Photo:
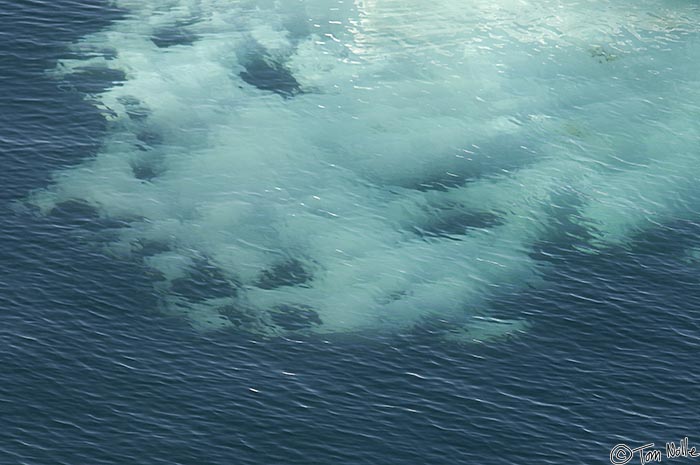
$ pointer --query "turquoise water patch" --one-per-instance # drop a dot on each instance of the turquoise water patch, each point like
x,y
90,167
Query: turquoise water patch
x,y
372,166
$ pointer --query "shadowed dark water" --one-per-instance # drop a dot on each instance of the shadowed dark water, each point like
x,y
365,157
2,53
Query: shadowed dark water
x,y
91,374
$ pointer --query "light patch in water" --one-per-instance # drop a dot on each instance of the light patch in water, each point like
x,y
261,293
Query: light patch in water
x,y
361,166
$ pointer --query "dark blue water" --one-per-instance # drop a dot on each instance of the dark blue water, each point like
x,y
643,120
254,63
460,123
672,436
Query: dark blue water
x,y
90,374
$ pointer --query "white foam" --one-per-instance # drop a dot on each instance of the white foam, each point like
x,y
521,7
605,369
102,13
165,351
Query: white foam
x,y
408,115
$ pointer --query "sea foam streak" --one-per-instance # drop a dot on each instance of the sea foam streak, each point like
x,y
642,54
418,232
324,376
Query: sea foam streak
x,y
322,166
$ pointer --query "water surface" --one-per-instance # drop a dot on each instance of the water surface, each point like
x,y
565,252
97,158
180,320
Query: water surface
x,y
178,180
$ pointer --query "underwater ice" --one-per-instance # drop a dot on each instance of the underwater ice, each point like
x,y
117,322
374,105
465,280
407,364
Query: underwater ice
x,y
342,166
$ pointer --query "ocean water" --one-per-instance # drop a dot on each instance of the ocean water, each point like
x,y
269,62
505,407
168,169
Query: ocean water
x,y
328,232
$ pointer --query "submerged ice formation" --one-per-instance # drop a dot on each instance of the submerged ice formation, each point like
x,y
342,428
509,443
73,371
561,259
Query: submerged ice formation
x,y
345,166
